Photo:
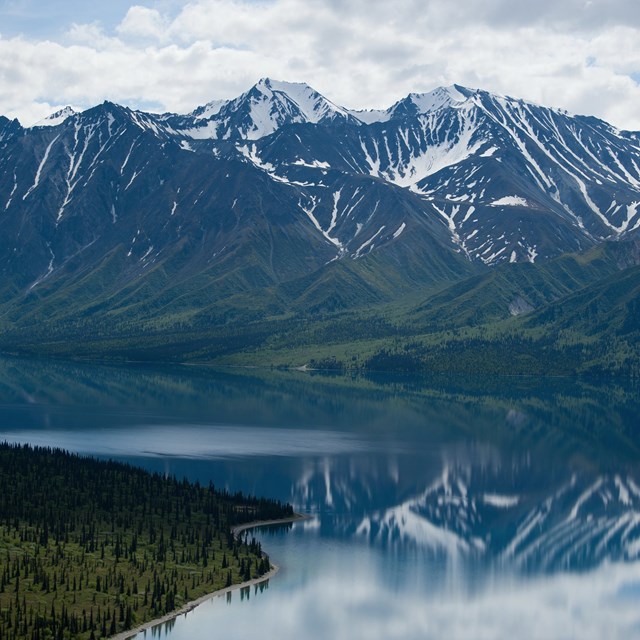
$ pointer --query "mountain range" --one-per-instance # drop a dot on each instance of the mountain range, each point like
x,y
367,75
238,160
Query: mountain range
x,y
278,210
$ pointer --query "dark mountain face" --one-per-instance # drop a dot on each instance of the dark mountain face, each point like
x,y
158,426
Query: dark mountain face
x,y
108,180
109,209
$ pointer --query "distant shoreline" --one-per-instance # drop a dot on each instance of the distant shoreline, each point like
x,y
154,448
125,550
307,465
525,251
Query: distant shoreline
x,y
190,606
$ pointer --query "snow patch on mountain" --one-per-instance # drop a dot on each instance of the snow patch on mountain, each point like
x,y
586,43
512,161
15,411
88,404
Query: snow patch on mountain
x,y
309,209
399,230
510,201
209,110
489,152
316,164
43,162
396,160
13,190
369,116
206,131
251,154
368,244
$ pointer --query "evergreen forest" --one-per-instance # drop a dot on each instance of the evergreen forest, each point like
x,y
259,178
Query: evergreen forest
x,y
90,548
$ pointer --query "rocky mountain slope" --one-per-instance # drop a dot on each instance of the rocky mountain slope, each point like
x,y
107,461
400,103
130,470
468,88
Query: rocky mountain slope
x,y
280,201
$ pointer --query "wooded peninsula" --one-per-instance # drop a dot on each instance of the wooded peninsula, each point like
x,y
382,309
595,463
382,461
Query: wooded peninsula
x,y
91,548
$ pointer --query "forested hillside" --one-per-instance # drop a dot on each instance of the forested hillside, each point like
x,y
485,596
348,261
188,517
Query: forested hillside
x,y
90,548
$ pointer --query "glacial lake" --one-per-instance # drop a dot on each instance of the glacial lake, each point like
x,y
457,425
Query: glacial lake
x,y
439,507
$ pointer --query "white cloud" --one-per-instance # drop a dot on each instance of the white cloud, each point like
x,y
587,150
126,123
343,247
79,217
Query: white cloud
x,y
363,53
141,22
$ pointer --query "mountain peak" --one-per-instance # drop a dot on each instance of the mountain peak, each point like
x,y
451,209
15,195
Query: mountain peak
x,y
439,98
312,106
282,85
270,104
417,103
263,109
9,128
56,118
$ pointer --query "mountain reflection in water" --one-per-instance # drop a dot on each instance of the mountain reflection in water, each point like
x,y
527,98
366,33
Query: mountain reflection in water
x,y
440,508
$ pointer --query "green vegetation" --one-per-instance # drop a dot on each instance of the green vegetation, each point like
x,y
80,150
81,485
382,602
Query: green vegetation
x,y
577,314
91,548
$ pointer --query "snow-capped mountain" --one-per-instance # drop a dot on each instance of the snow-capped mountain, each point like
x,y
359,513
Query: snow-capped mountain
x,y
510,180
280,183
56,118
259,112
416,104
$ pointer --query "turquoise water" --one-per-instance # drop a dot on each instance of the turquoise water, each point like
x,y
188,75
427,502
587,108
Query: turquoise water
x,y
439,507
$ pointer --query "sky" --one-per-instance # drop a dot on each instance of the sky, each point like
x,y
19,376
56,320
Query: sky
x,y
173,55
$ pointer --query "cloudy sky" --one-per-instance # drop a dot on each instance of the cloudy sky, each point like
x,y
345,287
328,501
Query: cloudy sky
x,y
173,55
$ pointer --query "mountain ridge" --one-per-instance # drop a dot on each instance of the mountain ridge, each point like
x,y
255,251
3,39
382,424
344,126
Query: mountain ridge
x,y
280,202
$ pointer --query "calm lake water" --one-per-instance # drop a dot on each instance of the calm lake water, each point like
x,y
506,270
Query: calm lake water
x,y
494,508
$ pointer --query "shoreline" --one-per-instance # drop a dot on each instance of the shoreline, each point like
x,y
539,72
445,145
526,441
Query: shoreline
x,y
296,517
191,605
